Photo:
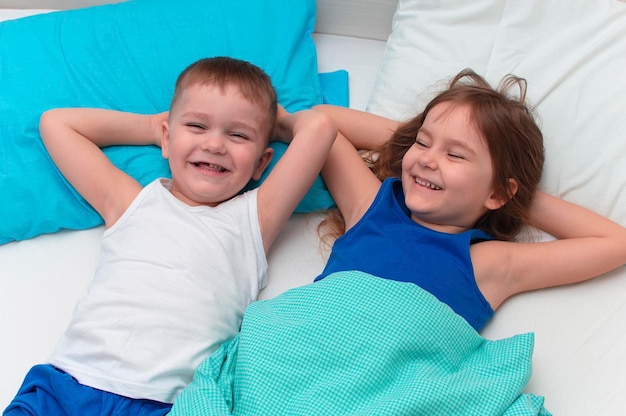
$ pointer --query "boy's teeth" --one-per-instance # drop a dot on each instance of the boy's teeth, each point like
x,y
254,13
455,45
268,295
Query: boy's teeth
x,y
211,166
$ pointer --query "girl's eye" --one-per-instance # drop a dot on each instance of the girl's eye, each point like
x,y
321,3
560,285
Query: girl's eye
x,y
456,156
420,143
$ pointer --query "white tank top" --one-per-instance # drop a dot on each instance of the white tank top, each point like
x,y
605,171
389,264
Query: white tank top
x,y
172,285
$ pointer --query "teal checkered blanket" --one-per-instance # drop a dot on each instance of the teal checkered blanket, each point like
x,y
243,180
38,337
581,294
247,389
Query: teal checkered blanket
x,y
356,344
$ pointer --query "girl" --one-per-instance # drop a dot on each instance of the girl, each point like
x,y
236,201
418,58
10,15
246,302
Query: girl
x,y
447,195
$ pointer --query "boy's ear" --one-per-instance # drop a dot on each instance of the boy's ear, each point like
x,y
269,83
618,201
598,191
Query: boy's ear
x,y
165,140
264,161
495,202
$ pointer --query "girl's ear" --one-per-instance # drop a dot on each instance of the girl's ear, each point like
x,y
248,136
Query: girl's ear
x,y
264,161
165,140
495,202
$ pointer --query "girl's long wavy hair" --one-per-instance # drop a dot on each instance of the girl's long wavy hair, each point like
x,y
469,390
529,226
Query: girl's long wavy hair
x,y
508,126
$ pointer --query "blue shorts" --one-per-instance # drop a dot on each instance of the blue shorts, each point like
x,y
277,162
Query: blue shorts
x,y
49,391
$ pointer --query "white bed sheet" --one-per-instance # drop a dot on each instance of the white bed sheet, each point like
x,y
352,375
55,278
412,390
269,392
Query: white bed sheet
x,y
579,358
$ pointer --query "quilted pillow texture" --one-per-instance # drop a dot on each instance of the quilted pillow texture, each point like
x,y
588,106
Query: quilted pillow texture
x,y
127,56
573,55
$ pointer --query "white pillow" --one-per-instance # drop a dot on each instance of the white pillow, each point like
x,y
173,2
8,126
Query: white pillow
x,y
573,55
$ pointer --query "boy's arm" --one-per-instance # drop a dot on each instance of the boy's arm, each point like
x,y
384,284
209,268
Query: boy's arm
x,y
311,135
73,138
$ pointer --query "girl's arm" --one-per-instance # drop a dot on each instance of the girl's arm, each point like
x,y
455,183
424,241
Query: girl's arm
x,y
73,138
366,131
310,136
351,183
587,246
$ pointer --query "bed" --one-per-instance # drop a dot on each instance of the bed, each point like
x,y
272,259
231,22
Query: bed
x,y
395,53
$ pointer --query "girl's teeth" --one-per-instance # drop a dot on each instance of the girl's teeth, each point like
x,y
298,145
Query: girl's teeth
x,y
427,184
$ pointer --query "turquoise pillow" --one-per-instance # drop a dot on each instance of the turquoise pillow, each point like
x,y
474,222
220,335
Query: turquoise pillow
x,y
127,56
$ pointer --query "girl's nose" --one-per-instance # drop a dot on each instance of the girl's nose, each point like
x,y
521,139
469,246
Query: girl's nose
x,y
427,159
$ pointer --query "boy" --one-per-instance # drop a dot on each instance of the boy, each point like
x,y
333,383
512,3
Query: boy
x,y
181,258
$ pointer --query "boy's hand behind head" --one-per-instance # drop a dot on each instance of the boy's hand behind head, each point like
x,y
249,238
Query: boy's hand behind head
x,y
282,132
280,111
156,121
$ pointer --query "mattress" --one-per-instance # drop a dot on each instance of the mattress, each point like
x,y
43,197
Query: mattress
x,y
579,360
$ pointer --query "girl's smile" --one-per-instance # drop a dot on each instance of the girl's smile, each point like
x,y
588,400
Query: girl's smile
x,y
427,184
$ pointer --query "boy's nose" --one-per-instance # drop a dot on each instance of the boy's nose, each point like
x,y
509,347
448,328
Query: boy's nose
x,y
214,143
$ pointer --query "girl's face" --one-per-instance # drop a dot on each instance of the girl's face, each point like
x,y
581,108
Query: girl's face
x,y
447,175
216,141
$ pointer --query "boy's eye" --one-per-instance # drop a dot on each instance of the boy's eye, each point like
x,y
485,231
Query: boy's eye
x,y
238,135
196,126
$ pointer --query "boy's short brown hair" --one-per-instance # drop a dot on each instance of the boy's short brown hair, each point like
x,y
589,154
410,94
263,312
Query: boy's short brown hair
x,y
253,83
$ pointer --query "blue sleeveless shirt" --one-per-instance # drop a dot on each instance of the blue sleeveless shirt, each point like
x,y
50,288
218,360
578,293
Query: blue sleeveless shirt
x,y
387,243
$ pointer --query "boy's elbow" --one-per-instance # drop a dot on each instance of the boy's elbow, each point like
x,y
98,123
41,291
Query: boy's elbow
x,y
49,117
52,123
45,116
320,107
328,126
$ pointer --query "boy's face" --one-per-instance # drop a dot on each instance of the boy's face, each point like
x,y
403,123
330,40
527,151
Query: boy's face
x,y
216,141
